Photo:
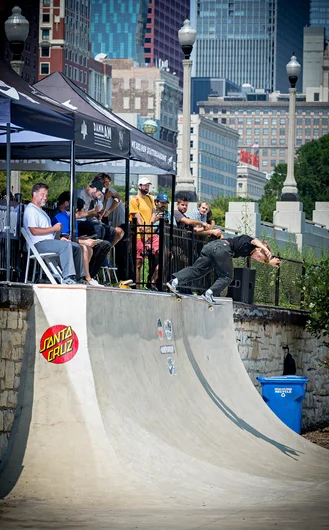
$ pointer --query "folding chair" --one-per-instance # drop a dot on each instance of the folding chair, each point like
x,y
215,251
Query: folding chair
x,y
44,259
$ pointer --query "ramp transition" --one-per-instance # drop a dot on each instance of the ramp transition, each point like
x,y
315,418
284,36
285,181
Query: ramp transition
x,y
152,423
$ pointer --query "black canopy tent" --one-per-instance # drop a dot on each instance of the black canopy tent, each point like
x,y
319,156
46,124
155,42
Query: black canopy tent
x,y
141,147
41,127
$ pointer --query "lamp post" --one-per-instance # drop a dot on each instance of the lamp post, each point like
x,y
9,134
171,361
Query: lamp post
x,y
289,190
16,30
185,183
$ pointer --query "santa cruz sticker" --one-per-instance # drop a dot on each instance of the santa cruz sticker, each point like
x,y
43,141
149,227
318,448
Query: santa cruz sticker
x,y
59,344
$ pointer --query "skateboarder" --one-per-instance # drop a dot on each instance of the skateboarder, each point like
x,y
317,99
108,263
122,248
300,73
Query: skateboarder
x,y
218,255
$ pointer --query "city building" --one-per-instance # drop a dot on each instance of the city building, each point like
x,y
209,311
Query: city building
x,y
249,41
319,14
64,39
146,31
146,92
213,156
100,82
316,65
203,87
250,182
263,125
30,10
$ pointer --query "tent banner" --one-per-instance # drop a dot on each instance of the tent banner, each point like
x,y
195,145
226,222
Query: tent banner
x,y
92,133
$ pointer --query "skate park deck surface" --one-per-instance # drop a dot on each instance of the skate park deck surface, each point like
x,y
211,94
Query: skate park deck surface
x,y
130,434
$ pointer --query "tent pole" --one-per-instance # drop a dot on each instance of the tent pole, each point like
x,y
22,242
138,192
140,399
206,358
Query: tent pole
x,y
127,231
72,190
8,191
171,231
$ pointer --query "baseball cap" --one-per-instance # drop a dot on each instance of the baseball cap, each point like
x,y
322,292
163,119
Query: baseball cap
x,y
97,184
144,180
162,197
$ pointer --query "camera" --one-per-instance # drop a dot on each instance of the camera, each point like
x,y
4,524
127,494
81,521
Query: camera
x,y
166,216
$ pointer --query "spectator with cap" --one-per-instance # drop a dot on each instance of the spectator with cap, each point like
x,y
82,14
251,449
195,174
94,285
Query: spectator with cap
x,y
89,224
94,251
142,208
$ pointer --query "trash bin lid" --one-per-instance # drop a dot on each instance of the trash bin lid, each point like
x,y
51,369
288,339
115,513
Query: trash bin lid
x,y
283,379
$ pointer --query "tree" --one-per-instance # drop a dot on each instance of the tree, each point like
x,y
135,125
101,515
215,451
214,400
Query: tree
x,y
219,206
311,174
316,289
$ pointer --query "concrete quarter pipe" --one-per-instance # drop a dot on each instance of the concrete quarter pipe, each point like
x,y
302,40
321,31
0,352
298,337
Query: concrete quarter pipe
x,y
137,412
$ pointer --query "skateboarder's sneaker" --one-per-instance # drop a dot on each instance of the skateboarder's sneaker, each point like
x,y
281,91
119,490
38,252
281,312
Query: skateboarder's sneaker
x,y
172,285
208,297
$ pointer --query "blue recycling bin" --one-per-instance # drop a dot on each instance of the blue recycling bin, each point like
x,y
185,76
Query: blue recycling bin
x,y
284,396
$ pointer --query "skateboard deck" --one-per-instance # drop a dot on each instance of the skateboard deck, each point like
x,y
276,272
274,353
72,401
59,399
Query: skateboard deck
x,y
180,296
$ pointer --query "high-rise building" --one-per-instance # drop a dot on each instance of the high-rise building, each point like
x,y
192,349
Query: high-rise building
x,y
319,14
64,39
249,41
313,58
145,31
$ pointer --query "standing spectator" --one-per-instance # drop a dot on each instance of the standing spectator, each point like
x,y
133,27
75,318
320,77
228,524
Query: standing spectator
x,y
38,225
183,221
210,220
200,213
142,208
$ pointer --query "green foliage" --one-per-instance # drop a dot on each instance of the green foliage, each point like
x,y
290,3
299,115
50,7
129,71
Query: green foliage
x,y
316,289
311,174
219,206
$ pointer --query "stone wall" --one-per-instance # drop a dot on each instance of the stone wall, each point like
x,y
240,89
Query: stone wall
x,y
265,335
15,306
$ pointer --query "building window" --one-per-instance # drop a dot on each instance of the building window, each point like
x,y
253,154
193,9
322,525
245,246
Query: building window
x,y
265,152
307,132
126,103
191,158
316,96
273,141
282,132
44,68
299,121
223,120
46,3
264,163
45,51
282,121
45,35
45,18
282,141
273,132
316,132
85,77
282,152
273,163
137,103
150,103
191,144
70,72
265,131
274,121
307,121
191,130
66,70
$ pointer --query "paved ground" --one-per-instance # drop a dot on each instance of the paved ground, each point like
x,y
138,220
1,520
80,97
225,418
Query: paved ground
x,y
153,424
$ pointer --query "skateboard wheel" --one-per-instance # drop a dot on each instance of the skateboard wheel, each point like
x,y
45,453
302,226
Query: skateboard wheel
x,y
211,308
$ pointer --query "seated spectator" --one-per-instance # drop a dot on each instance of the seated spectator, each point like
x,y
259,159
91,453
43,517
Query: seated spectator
x,y
38,225
3,195
94,251
89,222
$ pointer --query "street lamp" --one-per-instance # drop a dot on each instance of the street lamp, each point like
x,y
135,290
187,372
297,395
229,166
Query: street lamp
x,y
17,30
185,184
289,190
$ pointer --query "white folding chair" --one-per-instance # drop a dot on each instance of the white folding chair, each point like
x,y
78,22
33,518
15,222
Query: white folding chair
x,y
106,271
44,259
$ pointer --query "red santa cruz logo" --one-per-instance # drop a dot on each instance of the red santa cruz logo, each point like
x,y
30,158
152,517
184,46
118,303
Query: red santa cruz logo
x,y
59,344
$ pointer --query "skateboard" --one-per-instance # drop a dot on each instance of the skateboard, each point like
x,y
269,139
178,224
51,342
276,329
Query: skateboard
x,y
180,296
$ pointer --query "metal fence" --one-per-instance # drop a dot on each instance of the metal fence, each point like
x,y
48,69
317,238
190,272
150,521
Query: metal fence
x,y
273,286
177,249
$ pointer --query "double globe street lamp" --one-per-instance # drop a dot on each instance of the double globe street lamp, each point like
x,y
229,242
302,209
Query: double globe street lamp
x,y
185,183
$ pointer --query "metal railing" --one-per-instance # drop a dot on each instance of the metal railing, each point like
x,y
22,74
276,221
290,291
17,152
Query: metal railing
x,y
177,249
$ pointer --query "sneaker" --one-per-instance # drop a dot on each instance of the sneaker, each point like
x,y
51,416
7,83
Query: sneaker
x,y
208,297
172,285
68,281
94,282
126,282
82,281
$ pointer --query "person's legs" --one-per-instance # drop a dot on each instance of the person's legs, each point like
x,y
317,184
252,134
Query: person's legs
x,y
223,264
87,253
101,250
65,251
78,260
200,268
